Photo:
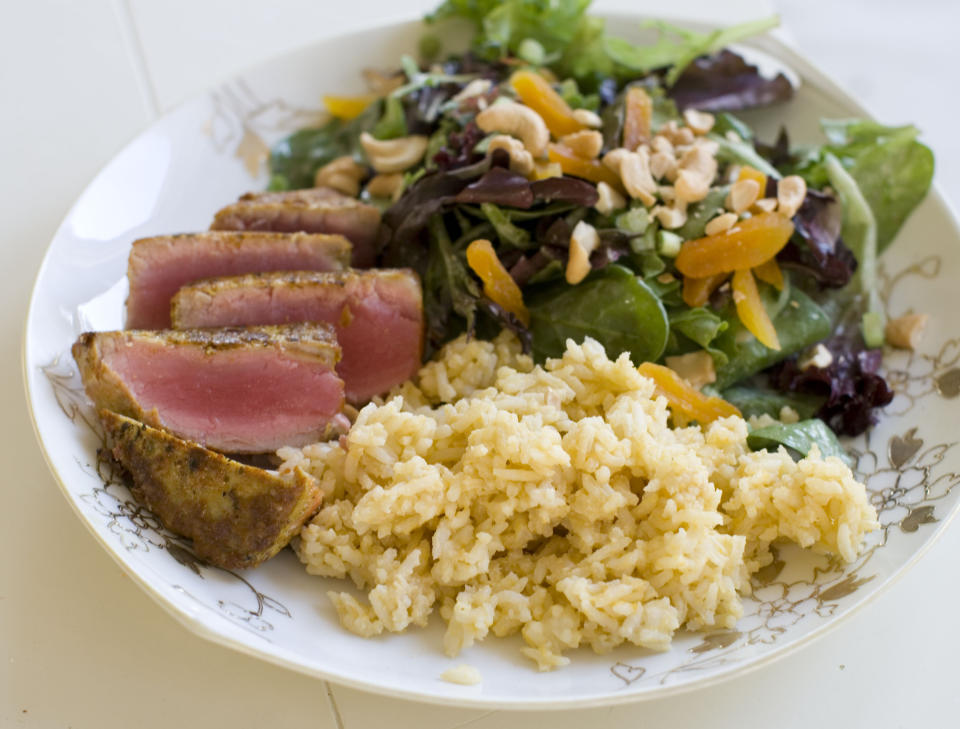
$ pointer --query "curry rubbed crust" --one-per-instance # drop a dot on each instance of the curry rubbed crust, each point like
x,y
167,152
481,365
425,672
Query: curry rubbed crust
x,y
237,515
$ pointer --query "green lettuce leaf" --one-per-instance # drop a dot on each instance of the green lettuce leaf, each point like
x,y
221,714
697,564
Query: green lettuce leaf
x,y
611,305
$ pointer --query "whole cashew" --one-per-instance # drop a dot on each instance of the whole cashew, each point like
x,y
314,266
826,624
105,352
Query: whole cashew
x,y
521,161
393,155
517,120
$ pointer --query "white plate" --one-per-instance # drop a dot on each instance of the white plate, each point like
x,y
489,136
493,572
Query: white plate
x,y
178,172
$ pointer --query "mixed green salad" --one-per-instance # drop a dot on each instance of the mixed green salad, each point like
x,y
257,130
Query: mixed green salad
x,y
562,182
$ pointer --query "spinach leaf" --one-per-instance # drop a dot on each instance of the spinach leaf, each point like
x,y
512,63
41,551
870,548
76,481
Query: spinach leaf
x,y
754,401
297,158
799,324
892,169
798,438
701,326
700,213
611,305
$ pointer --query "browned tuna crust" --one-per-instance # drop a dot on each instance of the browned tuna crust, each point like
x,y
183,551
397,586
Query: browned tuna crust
x,y
312,210
236,515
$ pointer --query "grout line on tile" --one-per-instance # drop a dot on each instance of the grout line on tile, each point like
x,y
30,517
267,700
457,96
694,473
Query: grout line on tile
x,y
134,46
334,709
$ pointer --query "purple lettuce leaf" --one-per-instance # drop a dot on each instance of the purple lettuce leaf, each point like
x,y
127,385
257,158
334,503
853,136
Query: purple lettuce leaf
x,y
851,384
816,247
724,81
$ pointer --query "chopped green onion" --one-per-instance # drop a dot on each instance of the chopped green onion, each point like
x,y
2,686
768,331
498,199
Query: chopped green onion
x,y
872,327
668,244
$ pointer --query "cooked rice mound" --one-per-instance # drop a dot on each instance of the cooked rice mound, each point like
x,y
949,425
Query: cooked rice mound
x,y
558,502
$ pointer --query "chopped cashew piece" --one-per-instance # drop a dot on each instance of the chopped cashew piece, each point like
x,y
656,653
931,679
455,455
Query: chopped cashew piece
x,y
817,356
634,171
608,199
906,331
517,120
691,186
390,185
670,218
698,167
342,174
743,194
721,223
663,165
791,191
588,118
583,241
661,144
586,143
393,155
477,87
699,121
677,135
765,205
521,161
696,368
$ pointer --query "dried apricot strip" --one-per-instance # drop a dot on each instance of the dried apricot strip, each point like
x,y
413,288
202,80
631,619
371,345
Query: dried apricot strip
x,y
747,244
498,284
535,91
589,169
770,273
637,118
686,403
751,311
696,291
348,107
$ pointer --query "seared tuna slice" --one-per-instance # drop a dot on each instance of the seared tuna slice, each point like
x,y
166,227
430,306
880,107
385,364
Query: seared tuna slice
x,y
314,210
160,265
242,390
377,314
236,515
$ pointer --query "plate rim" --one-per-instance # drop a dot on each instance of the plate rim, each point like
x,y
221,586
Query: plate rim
x,y
774,43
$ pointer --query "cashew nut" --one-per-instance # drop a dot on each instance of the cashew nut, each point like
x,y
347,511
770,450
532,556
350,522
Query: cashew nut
x,y
583,241
390,185
743,194
393,155
588,118
906,331
517,120
700,122
342,174
670,218
791,191
721,223
608,199
634,171
663,164
678,136
764,205
477,87
696,368
586,143
521,161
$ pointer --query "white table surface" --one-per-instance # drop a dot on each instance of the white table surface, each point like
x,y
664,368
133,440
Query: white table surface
x,y
81,646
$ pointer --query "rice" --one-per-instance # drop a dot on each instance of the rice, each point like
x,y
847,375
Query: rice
x,y
556,502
